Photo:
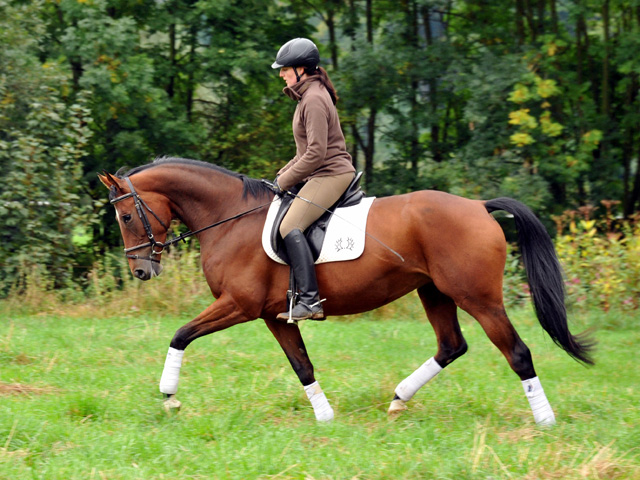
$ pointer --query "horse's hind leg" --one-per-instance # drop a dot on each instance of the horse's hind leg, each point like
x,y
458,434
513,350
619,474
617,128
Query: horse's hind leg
x,y
290,339
442,313
498,327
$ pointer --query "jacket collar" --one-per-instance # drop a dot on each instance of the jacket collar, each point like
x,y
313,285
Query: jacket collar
x,y
296,91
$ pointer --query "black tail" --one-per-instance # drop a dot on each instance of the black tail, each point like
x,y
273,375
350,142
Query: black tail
x,y
544,275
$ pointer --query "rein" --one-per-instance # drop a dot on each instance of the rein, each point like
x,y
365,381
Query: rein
x,y
141,205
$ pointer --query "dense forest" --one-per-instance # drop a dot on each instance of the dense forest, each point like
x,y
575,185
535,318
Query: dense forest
x,y
533,99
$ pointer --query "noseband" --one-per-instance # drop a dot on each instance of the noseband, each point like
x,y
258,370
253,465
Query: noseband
x,y
141,205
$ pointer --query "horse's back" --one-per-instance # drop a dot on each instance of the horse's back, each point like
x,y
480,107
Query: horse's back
x,y
455,239
440,215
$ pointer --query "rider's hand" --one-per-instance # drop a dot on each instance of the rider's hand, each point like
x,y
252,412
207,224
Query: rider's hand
x,y
274,186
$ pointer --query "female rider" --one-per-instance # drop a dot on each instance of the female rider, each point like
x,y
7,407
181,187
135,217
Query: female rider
x,y
321,161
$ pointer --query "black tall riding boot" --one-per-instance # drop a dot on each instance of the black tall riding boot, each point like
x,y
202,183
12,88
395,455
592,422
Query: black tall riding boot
x,y
304,272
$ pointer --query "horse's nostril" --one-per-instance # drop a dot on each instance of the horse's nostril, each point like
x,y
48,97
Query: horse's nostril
x,y
140,273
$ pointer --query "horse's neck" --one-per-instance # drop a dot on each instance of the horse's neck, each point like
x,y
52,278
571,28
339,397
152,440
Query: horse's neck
x,y
201,196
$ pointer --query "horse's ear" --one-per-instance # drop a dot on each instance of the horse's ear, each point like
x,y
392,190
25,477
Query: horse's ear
x,y
108,180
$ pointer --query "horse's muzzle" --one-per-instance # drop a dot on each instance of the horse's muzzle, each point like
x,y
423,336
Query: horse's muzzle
x,y
147,272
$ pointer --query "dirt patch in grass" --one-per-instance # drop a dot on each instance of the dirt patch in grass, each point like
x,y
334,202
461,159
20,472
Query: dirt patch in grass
x,y
20,389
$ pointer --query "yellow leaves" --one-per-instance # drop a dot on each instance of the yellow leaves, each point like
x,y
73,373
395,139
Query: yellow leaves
x,y
519,94
521,117
600,264
543,88
549,127
8,99
588,226
592,138
546,88
527,123
536,89
521,139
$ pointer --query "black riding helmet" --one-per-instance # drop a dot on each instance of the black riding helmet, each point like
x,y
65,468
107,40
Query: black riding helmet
x,y
299,52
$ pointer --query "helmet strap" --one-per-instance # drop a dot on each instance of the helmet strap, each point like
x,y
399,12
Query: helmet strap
x,y
295,70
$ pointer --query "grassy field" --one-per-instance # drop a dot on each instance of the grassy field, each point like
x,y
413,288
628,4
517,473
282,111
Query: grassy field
x,y
79,400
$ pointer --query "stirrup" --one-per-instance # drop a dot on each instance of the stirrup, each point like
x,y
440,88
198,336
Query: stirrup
x,y
313,312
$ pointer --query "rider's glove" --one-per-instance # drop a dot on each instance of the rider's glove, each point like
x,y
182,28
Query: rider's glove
x,y
274,186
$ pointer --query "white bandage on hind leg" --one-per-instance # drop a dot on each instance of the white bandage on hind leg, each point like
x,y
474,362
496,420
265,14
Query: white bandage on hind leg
x,y
171,372
542,412
319,402
407,388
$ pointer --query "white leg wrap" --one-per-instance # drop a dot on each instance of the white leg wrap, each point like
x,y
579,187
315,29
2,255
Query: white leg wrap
x,y
171,372
319,402
542,413
407,388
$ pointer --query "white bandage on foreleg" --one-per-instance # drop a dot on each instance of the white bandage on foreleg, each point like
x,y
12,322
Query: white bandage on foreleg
x,y
542,412
414,382
171,372
319,402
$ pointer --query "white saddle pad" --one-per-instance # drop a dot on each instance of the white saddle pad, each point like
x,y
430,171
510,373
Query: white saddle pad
x,y
344,239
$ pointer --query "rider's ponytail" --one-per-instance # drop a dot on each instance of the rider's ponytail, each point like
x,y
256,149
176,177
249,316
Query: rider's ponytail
x,y
324,78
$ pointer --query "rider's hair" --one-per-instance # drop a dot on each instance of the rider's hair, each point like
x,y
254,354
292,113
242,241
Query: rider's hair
x,y
324,78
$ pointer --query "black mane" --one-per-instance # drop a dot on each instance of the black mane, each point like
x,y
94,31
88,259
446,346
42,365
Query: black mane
x,y
251,186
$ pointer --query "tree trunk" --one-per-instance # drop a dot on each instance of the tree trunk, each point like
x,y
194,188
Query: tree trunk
x,y
191,83
540,23
333,44
554,16
530,19
520,17
580,47
170,89
369,149
436,150
630,194
369,17
635,194
606,106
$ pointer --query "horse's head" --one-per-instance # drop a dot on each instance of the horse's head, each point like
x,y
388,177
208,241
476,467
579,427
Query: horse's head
x,y
143,224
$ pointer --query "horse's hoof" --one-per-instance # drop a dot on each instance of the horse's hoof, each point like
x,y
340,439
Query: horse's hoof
x,y
397,406
172,405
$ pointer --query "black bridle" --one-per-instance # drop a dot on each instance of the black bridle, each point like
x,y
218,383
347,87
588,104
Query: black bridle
x,y
141,205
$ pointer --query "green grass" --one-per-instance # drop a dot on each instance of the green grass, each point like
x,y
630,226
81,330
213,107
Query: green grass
x,y
79,400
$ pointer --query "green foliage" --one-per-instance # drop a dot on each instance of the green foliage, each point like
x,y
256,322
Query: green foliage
x,y
601,264
481,100
45,136
540,140
41,201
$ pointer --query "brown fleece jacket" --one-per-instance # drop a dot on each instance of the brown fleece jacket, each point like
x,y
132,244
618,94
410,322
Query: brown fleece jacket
x,y
320,145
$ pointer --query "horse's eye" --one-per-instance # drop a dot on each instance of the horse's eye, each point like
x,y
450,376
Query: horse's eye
x,y
126,218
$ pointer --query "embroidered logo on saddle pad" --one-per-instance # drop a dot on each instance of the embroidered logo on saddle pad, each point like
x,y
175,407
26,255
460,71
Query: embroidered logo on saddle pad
x,y
344,237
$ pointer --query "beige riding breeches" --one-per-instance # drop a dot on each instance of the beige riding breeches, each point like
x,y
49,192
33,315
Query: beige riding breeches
x,y
320,192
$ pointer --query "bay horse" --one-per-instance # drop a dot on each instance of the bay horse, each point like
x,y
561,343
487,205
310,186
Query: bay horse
x,y
448,248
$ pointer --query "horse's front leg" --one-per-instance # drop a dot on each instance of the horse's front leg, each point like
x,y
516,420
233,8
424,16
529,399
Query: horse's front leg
x,y
221,314
290,339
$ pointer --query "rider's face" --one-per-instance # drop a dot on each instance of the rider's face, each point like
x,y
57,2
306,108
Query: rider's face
x,y
289,75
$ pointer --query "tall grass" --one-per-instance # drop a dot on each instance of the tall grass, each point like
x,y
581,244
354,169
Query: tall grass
x,y
110,287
